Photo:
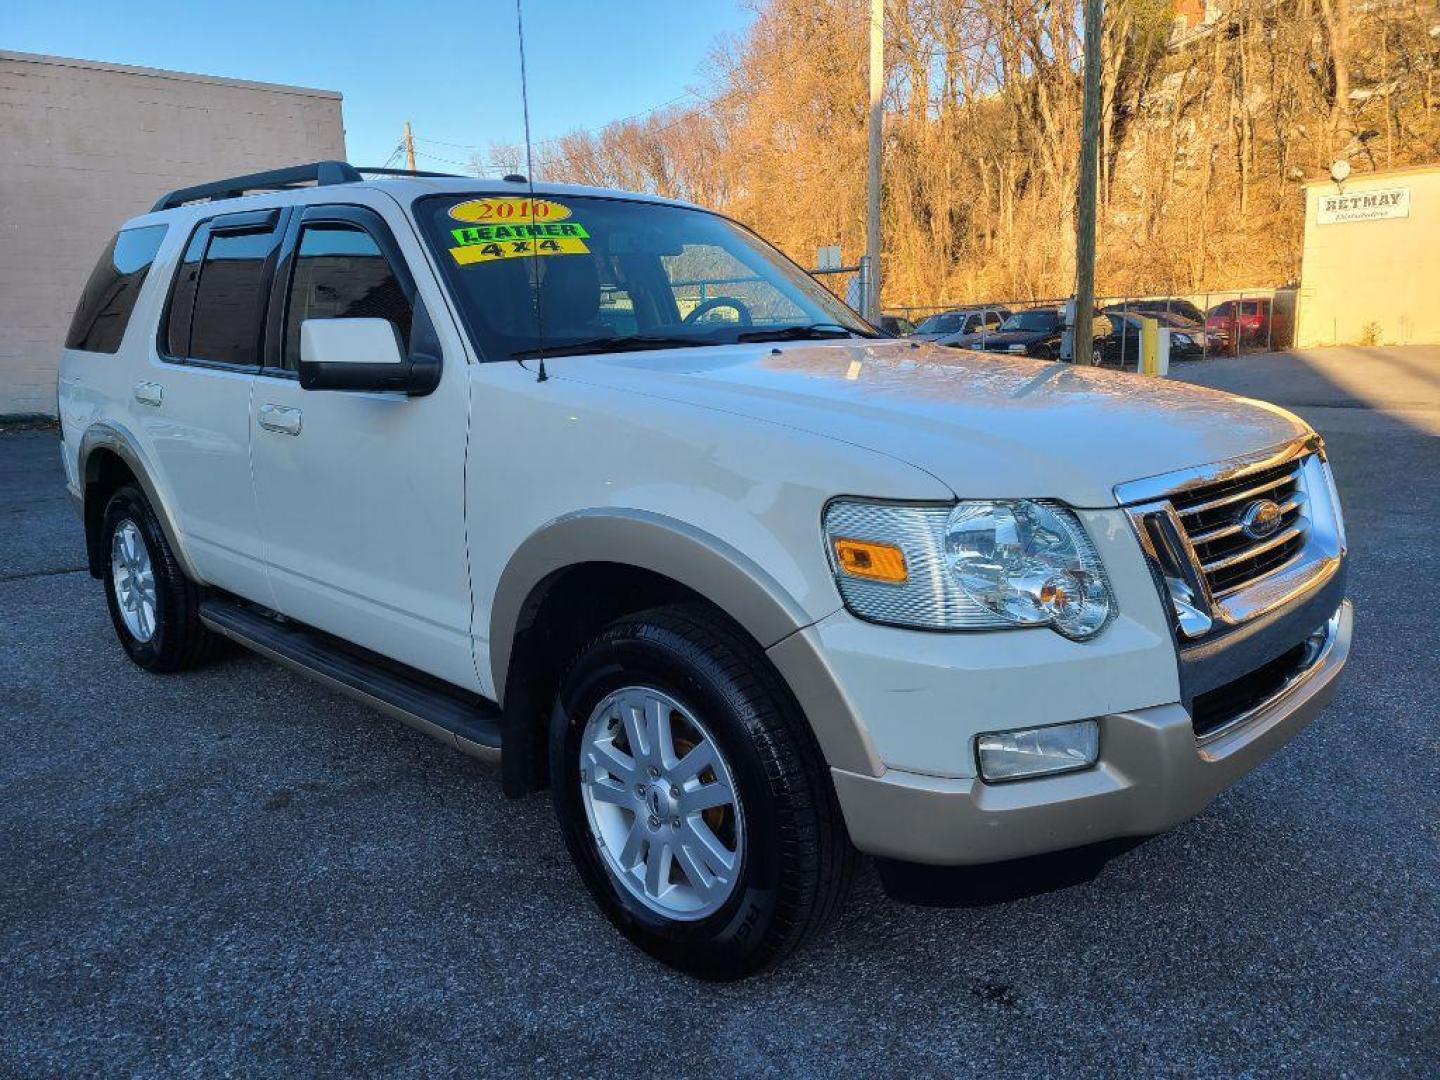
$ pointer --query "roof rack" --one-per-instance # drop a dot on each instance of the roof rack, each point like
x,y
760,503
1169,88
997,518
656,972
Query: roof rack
x,y
318,173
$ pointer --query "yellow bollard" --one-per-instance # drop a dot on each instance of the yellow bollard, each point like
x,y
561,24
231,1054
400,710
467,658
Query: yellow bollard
x,y
1149,347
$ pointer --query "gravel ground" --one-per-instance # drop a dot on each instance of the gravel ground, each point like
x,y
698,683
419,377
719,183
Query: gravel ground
x,y
234,871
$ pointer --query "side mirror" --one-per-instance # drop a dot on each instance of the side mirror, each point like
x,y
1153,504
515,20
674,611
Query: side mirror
x,y
361,354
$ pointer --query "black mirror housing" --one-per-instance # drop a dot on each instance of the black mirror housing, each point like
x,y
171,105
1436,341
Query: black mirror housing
x,y
415,377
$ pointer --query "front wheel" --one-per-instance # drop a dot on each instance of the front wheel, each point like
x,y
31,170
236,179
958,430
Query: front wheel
x,y
693,798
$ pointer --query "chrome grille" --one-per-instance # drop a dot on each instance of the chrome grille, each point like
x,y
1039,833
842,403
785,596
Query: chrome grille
x,y
1214,571
1211,516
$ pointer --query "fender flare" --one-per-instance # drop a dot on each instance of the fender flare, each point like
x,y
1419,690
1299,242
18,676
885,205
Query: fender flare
x,y
721,573
113,436
710,567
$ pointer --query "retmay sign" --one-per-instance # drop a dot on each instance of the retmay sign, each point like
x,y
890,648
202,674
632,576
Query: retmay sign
x,y
1363,206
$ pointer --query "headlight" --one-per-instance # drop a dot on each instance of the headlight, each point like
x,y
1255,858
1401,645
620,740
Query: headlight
x,y
1181,339
978,565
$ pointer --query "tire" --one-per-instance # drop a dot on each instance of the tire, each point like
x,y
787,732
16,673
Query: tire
x,y
793,859
172,637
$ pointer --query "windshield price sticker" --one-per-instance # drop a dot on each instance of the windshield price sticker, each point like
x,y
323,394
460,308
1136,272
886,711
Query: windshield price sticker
x,y
509,208
484,243
511,227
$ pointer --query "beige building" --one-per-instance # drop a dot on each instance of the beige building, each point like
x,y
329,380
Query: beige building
x,y
85,145
1371,270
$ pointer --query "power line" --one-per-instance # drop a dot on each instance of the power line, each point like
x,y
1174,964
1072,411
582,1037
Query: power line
x,y
444,160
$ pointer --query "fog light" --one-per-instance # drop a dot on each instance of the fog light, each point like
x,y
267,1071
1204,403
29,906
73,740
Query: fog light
x,y
1043,751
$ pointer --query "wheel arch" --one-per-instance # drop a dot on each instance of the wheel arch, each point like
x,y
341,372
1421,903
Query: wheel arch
x,y
595,565
110,456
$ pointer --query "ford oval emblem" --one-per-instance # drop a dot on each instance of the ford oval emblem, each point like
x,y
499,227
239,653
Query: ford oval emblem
x,y
1260,519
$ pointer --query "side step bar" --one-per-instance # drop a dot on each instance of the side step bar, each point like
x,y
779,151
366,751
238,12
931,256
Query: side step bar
x,y
465,721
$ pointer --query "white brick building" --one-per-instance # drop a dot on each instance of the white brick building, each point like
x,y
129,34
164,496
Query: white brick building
x,y
85,145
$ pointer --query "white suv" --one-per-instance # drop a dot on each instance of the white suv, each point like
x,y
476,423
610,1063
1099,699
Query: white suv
x,y
603,486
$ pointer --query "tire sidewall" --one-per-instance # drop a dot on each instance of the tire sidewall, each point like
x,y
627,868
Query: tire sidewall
x,y
637,654
128,504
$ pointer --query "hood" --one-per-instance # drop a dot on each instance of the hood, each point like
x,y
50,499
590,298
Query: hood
x,y
987,426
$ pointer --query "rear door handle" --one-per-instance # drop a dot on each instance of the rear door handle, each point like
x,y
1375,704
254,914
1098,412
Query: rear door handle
x,y
149,393
279,418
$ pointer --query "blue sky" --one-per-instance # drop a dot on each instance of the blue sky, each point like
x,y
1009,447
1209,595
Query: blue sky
x,y
450,68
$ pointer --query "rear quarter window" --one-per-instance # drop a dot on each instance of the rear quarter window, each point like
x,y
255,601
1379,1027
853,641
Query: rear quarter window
x,y
110,294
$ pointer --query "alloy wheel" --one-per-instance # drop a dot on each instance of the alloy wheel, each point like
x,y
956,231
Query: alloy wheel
x,y
661,803
134,580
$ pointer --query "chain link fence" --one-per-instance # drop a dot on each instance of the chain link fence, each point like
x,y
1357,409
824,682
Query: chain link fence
x,y
1203,325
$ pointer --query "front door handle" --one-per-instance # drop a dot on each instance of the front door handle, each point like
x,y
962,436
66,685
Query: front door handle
x,y
280,418
149,393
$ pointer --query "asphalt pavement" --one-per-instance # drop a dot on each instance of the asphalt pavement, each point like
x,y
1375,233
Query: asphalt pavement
x,y
234,871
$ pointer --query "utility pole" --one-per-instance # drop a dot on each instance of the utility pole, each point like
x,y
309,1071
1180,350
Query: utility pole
x,y
409,148
1084,350
871,299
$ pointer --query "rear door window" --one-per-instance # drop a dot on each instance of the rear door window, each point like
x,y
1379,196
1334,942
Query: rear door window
x,y
109,296
217,303
229,299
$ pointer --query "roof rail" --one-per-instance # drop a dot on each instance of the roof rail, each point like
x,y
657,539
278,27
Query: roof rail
x,y
319,173
380,170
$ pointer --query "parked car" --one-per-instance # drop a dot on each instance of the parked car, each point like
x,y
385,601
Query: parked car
x,y
1035,332
960,321
746,587
1172,306
895,325
1121,346
1242,323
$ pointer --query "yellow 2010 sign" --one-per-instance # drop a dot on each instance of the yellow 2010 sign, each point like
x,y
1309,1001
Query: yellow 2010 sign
x,y
508,227
499,209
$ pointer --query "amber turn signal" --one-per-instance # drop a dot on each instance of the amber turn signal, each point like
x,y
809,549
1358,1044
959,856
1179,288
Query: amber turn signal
x,y
866,559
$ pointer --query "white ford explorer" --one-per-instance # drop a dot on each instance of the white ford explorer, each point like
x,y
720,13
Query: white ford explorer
x,y
604,487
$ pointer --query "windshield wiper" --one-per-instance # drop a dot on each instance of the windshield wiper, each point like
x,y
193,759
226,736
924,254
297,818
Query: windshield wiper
x,y
812,332
624,343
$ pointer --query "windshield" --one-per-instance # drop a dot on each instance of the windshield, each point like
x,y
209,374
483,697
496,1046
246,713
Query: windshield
x,y
947,322
1032,320
591,274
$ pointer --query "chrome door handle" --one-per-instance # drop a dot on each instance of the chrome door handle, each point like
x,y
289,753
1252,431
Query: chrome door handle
x,y
149,393
279,418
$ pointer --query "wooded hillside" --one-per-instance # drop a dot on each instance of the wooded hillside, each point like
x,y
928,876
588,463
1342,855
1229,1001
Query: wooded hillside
x,y
1205,136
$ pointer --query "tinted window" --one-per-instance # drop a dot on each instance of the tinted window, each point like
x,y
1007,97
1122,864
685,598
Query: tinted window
x,y
340,273
947,322
225,326
182,297
110,294
1034,321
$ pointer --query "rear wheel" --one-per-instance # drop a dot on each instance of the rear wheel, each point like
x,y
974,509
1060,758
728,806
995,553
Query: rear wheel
x,y
692,796
153,605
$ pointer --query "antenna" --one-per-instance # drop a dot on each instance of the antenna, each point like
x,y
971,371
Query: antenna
x,y
530,181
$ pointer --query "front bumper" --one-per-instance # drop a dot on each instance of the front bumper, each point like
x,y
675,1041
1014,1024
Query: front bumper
x,y
1152,774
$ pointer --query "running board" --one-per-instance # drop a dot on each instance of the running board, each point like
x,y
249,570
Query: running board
x,y
465,721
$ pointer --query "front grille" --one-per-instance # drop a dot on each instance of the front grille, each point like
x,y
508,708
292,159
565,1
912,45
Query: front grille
x,y
1211,514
